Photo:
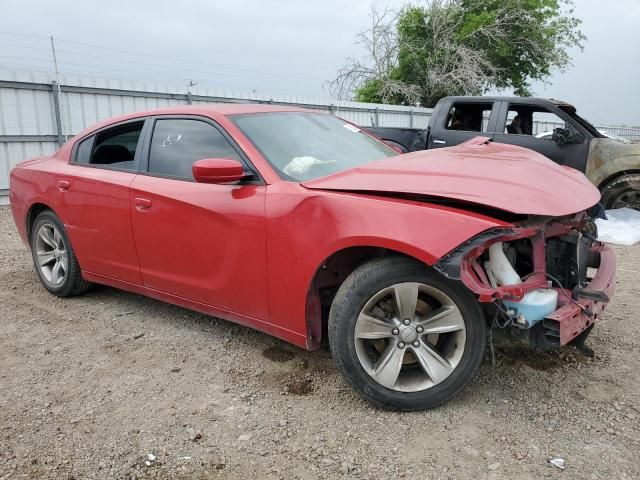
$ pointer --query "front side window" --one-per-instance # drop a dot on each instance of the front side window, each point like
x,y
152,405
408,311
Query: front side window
x,y
177,143
302,146
533,121
114,147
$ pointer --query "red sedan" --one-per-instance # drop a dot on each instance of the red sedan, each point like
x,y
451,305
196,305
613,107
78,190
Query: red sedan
x,y
299,224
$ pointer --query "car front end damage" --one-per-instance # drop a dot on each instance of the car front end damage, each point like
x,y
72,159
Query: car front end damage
x,y
554,280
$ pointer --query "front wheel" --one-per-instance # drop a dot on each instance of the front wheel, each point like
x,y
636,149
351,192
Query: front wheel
x,y
622,192
403,336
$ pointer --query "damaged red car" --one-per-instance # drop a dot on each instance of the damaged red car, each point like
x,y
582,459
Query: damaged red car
x,y
303,226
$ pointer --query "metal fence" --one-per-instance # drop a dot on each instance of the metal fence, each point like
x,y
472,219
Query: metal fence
x,y
38,114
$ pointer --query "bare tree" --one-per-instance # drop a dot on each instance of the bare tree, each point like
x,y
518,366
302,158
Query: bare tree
x,y
381,44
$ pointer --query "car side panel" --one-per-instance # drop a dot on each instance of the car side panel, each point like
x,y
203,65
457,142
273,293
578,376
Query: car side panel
x,y
31,182
304,228
202,242
94,210
262,325
608,158
98,220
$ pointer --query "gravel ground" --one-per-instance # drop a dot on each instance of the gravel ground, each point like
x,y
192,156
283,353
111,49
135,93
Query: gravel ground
x,y
90,386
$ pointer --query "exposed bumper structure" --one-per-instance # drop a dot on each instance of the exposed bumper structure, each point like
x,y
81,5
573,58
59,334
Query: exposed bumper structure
x,y
578,308
571,319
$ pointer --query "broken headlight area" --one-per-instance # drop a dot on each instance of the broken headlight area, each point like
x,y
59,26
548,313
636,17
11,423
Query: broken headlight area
x,y
547,277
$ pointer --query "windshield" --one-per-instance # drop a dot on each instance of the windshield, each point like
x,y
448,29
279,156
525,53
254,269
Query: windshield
x,y
302,146
570,110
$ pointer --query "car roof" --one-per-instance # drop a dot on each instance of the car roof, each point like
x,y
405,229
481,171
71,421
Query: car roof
x,y
209,109
512,99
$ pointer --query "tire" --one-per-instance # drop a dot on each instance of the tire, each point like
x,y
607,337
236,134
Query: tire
x,y
622,192
368,294
53,257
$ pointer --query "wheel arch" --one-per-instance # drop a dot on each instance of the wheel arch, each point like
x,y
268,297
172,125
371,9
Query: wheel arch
x,y
617,175
328,277
33,211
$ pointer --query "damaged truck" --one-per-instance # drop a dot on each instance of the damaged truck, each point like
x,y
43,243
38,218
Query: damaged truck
x,y
550,127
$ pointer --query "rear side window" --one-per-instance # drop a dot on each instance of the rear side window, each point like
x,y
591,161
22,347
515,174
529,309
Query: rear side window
x,y
115,147
177,143
469,117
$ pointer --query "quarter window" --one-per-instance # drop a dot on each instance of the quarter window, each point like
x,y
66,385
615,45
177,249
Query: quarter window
x,y
83,153
177,143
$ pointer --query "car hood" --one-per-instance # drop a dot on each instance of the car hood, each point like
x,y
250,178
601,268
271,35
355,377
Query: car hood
x,y
479,171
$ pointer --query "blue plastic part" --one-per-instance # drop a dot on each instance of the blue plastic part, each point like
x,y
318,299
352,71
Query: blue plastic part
x,y
535,305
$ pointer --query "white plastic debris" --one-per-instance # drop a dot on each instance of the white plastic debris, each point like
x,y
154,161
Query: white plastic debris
x,y
622,226
557,462
150,459
299,165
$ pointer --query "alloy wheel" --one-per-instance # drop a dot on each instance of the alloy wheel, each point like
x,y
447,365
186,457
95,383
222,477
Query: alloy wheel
x,y
51,254
410,337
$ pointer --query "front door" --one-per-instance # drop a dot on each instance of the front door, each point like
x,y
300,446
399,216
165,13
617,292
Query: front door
x,y
202,242
531,126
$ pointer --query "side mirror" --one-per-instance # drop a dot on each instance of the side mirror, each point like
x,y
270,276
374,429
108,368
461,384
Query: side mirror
x,y
217,170
566,136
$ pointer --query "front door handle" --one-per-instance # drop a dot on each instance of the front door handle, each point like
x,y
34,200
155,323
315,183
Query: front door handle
x,y
142,204
63,185
439,142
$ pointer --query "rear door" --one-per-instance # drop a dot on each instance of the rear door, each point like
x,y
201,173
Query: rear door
x,y
460,120
202,242
95,192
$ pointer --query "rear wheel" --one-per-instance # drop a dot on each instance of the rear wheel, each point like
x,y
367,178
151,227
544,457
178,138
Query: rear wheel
x,y
53,257
403,336
622,192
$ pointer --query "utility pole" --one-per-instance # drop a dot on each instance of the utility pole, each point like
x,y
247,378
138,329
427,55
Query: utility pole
x,y
190,84
57,93
55,59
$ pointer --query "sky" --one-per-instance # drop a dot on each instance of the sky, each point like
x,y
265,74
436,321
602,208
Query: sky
x,y
283,47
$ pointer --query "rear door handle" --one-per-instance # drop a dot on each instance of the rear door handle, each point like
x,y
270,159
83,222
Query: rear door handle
x,y
142,204
63,185
439,142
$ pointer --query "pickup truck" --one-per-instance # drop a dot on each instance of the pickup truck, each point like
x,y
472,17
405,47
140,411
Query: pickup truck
x,y
547,126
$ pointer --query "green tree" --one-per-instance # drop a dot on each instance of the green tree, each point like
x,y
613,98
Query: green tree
x,y
460,47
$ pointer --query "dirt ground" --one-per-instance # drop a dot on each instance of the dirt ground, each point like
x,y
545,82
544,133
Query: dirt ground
x,y
90,386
